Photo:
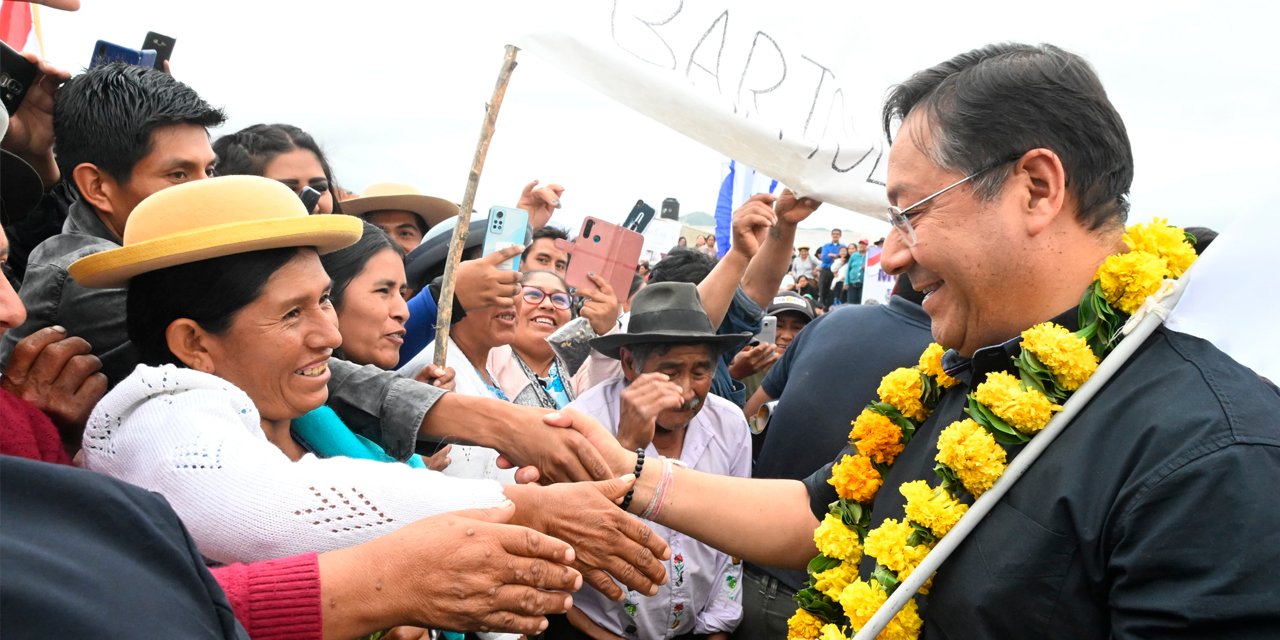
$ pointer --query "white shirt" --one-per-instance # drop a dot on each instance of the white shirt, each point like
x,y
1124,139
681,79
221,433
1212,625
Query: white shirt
x,y
466,461
197,440
702,594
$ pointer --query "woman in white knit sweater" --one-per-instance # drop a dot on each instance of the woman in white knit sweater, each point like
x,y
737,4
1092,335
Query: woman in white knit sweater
x,y
234,327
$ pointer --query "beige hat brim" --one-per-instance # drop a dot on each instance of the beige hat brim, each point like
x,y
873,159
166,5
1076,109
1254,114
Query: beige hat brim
x,y
113,268
432,210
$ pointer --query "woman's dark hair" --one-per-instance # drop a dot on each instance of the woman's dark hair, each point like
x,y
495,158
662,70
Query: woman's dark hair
x,y
528,275
248,151
998,102
344,265
210,292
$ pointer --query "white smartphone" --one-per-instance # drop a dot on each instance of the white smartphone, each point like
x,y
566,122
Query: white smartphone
x,y
769,333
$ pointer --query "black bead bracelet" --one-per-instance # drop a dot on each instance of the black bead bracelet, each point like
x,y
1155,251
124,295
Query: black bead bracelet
x,y
626,502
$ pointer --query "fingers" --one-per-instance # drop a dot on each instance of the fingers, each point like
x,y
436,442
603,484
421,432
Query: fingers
x,y
29,348
602,285
549,194
527,475
634,562
75,372
600,581
615,488
57,358
592,462
498,257
528,189
516,610
498,514
529,546
764,198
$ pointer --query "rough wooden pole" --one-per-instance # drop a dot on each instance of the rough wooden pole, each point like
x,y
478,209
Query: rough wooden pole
x,y
445,316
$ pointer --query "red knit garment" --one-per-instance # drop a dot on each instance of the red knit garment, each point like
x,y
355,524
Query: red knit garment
x,y
26,432
276,599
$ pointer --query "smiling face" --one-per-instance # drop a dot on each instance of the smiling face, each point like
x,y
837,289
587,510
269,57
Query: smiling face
x,y
373,312
789,324
537,321
301,168
277,348
966,258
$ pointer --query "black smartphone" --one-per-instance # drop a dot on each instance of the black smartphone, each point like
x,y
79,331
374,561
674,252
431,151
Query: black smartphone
x,y
162,45
670,209
310,198
639,218
17,74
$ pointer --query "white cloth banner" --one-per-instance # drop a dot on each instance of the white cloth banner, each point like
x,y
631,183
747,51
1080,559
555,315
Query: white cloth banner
x,y
876,284
1229,301
780,96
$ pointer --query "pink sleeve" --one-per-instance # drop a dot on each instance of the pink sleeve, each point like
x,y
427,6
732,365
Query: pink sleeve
x,y
276,599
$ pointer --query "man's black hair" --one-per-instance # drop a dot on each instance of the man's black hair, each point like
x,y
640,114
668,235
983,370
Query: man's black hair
x,y
1003,100
1203,235
547,231
682,265
105,116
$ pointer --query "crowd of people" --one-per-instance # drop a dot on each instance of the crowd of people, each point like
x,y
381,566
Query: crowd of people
x,y
223,415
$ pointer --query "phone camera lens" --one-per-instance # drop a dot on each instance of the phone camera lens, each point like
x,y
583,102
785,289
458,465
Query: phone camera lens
x,y
499,214
596,239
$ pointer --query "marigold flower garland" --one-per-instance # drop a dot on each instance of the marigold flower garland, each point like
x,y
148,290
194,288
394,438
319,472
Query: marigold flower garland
x,y
1003,410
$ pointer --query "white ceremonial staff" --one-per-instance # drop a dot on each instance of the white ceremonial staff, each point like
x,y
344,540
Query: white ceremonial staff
x,y
1157,311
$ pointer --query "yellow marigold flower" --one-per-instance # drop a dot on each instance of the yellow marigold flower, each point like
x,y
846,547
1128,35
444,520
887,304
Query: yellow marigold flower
x,y
1160,239
803,626
877,437
834,580
855,479
902,389
931,365
860,600
1127,279
1066,355
1026,410
932,508
887,543
972,453
835,540
832,632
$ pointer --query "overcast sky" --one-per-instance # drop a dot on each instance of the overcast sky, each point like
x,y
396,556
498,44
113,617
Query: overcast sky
x,y
395,92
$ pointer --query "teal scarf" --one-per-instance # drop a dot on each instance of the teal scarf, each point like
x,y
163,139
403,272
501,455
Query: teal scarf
x,y
325,433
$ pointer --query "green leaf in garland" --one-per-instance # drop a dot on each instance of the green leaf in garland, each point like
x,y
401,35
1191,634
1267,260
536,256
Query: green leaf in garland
x,y
997,427
1035,375
818,604
930,392
822,563
886,577
920,535
950,482
854,516
887,410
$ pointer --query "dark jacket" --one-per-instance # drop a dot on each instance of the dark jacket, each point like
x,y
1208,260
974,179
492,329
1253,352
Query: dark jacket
x,y
1153,515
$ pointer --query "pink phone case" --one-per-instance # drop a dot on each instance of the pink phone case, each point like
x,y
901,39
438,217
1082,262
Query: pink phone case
x,y
605,249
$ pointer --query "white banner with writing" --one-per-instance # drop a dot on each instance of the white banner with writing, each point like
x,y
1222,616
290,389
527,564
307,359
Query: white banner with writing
x,y
783,96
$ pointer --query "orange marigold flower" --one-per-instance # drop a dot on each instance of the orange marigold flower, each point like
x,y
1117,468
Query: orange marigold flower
x,y
877,437
855,479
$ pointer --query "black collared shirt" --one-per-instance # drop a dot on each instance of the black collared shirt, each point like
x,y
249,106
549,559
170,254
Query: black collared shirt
x,y
1153,515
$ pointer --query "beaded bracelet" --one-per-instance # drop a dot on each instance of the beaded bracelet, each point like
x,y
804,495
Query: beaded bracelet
x,y
626,502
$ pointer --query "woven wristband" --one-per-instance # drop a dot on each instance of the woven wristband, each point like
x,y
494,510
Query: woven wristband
x,y
626,502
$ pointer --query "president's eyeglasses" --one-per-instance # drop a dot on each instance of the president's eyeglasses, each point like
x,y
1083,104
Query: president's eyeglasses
x,y
901,219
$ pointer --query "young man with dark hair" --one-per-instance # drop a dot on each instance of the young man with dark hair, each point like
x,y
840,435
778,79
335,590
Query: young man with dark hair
x,y
121,133
542,254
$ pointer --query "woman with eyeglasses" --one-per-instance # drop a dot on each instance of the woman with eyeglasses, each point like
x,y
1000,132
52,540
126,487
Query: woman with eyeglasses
x,y
532,374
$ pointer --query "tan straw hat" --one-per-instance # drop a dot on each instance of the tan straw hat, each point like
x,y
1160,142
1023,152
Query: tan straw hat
x,y
211,218
393,196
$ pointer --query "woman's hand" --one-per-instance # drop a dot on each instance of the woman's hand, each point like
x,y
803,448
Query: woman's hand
x,y
442,377
439,461
602,307
465,571
607,541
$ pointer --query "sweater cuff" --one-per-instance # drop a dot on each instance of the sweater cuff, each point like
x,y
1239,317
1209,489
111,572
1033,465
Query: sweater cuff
x,y
276,599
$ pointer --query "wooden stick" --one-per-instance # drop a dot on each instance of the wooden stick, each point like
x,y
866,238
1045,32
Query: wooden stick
x,y
445,316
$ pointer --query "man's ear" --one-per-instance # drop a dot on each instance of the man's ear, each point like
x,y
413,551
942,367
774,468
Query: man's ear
x,y
1043,188
96,186
628,370
190,343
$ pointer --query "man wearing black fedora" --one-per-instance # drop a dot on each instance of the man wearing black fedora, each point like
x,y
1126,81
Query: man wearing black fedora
x,y
663,410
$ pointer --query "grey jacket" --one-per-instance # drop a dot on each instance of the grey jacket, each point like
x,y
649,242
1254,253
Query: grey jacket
x,y
379,405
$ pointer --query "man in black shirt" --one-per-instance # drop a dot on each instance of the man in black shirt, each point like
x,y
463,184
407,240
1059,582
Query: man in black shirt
x,y
828,373
1153,514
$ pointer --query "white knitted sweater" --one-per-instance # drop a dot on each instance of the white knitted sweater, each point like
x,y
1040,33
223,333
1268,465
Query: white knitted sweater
x,y
197,440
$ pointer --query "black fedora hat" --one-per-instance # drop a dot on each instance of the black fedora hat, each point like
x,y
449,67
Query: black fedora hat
x,y
668,313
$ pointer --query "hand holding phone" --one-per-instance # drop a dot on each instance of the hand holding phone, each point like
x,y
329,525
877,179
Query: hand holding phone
x,y
605,249
17,75
162,45
507,227
769,333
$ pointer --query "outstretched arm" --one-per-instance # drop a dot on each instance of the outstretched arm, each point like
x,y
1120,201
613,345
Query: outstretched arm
x,y
763,276
751,223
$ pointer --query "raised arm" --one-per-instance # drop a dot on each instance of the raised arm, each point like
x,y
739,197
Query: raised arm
x,y
751,224
763,275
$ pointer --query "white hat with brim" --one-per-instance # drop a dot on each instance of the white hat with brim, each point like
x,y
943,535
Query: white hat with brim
x,y
393,196
212,218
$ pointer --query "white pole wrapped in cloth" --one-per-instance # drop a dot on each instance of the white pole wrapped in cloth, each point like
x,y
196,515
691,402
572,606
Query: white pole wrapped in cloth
x,y
1112,363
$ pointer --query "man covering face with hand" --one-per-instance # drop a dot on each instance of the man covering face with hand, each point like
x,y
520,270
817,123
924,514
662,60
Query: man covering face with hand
x,y
663,406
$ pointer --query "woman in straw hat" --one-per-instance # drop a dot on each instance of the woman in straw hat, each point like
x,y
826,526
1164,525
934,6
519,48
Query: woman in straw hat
x,y
229,306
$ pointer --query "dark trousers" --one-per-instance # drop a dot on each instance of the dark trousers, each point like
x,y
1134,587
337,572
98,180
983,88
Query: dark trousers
x,y
559,628
853,295
825,293
766,606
